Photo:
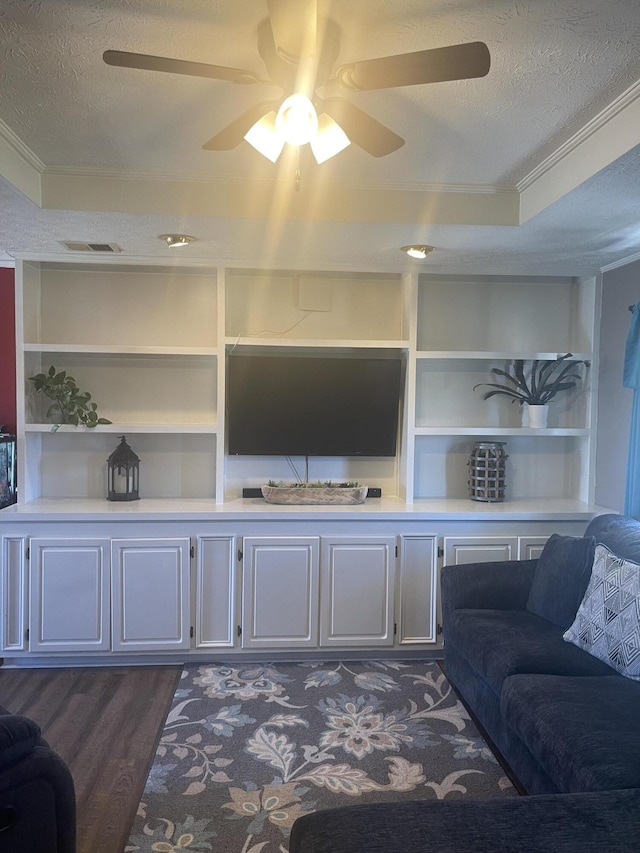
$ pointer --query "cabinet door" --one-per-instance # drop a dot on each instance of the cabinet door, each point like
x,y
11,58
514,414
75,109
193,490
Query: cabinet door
x,y
150,588
69,595
280,592
530,547
13,618
357,581
215,592
479,549
417,590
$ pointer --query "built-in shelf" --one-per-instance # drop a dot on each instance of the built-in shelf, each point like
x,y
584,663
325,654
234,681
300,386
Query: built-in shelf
x,y
155,364
303,343
177,429
118,349
497,355
498,431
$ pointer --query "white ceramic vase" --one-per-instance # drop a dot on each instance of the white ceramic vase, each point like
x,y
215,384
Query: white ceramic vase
x,y
535,416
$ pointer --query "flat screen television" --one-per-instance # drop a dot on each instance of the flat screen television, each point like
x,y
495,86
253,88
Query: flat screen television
x,y
313,406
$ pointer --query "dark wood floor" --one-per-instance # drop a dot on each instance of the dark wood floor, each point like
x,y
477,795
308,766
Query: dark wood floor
x,y
105,723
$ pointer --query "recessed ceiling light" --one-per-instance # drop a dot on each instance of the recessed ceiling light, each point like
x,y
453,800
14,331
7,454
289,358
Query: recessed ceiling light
x,y
420,252
175,240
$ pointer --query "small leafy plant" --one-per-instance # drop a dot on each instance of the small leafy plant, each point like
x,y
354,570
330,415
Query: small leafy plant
x,y
71,404
536,384
327,484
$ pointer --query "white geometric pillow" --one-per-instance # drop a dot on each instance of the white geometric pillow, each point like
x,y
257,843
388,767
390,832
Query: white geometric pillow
x,y
607,624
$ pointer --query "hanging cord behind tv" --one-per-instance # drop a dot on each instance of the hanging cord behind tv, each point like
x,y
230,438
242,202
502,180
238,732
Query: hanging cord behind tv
x,y
291,465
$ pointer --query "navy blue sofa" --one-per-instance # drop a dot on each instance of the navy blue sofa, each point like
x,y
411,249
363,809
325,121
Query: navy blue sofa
x,y
562,719
37,797
567,724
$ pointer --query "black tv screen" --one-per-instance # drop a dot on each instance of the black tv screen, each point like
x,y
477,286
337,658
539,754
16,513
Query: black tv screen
x,y
313,406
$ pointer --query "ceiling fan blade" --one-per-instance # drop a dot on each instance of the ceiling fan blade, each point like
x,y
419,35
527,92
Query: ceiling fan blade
x,y
143,61
233,134
456,62
363,130
293,23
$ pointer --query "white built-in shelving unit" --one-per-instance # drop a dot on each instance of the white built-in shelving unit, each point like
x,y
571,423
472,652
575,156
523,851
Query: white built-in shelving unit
x,y
150,343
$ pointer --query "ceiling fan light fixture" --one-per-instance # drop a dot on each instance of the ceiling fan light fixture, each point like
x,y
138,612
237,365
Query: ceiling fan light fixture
x,y
297,120
264,137
419,252
174,241
329,140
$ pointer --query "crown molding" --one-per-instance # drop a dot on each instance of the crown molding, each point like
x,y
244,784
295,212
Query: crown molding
x,y
238,181
621,103
623,262
14,141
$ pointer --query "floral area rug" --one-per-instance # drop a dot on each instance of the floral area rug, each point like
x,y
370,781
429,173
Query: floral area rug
x,y
248,748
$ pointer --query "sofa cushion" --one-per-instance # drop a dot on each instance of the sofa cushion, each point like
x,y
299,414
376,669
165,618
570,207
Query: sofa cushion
x,y
574,823
585,732
499,643
561,577
607,623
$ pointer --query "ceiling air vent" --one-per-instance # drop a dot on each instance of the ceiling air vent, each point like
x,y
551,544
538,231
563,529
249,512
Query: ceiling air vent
x,y
91,247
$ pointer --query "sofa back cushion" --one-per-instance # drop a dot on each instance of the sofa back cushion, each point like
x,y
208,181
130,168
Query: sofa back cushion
x,y
561,578
619,533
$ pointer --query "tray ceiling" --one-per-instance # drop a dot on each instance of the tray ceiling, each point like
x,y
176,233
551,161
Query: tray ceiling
x,y
532,168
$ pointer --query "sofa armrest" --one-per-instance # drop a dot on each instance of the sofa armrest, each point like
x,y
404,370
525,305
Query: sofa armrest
x,y
37,800
501,585
18,736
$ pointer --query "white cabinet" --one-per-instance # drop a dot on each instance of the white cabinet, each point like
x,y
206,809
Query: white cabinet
x,y
216,592
479,549
417,590
151,594
69,595
13,616
280,592
482,549
308,591
357,582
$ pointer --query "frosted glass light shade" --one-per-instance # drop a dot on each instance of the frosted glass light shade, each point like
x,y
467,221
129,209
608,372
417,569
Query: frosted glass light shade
x,y
265,138
329,140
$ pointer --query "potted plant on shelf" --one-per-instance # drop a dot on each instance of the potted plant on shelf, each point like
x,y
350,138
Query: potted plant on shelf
x,y
350,492
70,404
534,386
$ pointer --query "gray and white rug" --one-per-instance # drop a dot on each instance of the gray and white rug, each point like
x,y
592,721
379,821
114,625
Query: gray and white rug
x,y
248,748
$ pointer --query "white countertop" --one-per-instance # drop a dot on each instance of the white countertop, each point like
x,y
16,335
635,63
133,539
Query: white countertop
x,y
529,509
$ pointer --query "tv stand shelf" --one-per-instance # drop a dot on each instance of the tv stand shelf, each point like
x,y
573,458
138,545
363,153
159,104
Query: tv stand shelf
x,y
373,509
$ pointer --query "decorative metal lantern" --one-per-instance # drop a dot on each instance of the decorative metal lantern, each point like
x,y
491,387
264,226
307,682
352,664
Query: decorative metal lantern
x,y
487,471
8,491
123,472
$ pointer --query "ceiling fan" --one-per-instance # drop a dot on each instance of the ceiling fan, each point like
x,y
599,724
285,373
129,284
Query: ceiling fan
x,y
299,51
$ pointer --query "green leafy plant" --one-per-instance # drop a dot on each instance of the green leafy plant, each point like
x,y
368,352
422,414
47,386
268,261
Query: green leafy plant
x,y
538,383
71,404
280,484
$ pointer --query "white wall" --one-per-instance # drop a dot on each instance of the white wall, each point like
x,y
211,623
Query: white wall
x,y
620,289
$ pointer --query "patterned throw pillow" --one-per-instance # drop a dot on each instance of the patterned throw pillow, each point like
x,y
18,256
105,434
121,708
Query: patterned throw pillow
x,y
607,624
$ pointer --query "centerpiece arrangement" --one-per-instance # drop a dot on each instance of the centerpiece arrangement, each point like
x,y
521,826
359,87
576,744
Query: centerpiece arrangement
x,y
534,386
327,492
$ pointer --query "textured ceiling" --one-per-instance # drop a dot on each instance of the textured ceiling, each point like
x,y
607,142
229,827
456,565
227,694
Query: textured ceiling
x,y
92,152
